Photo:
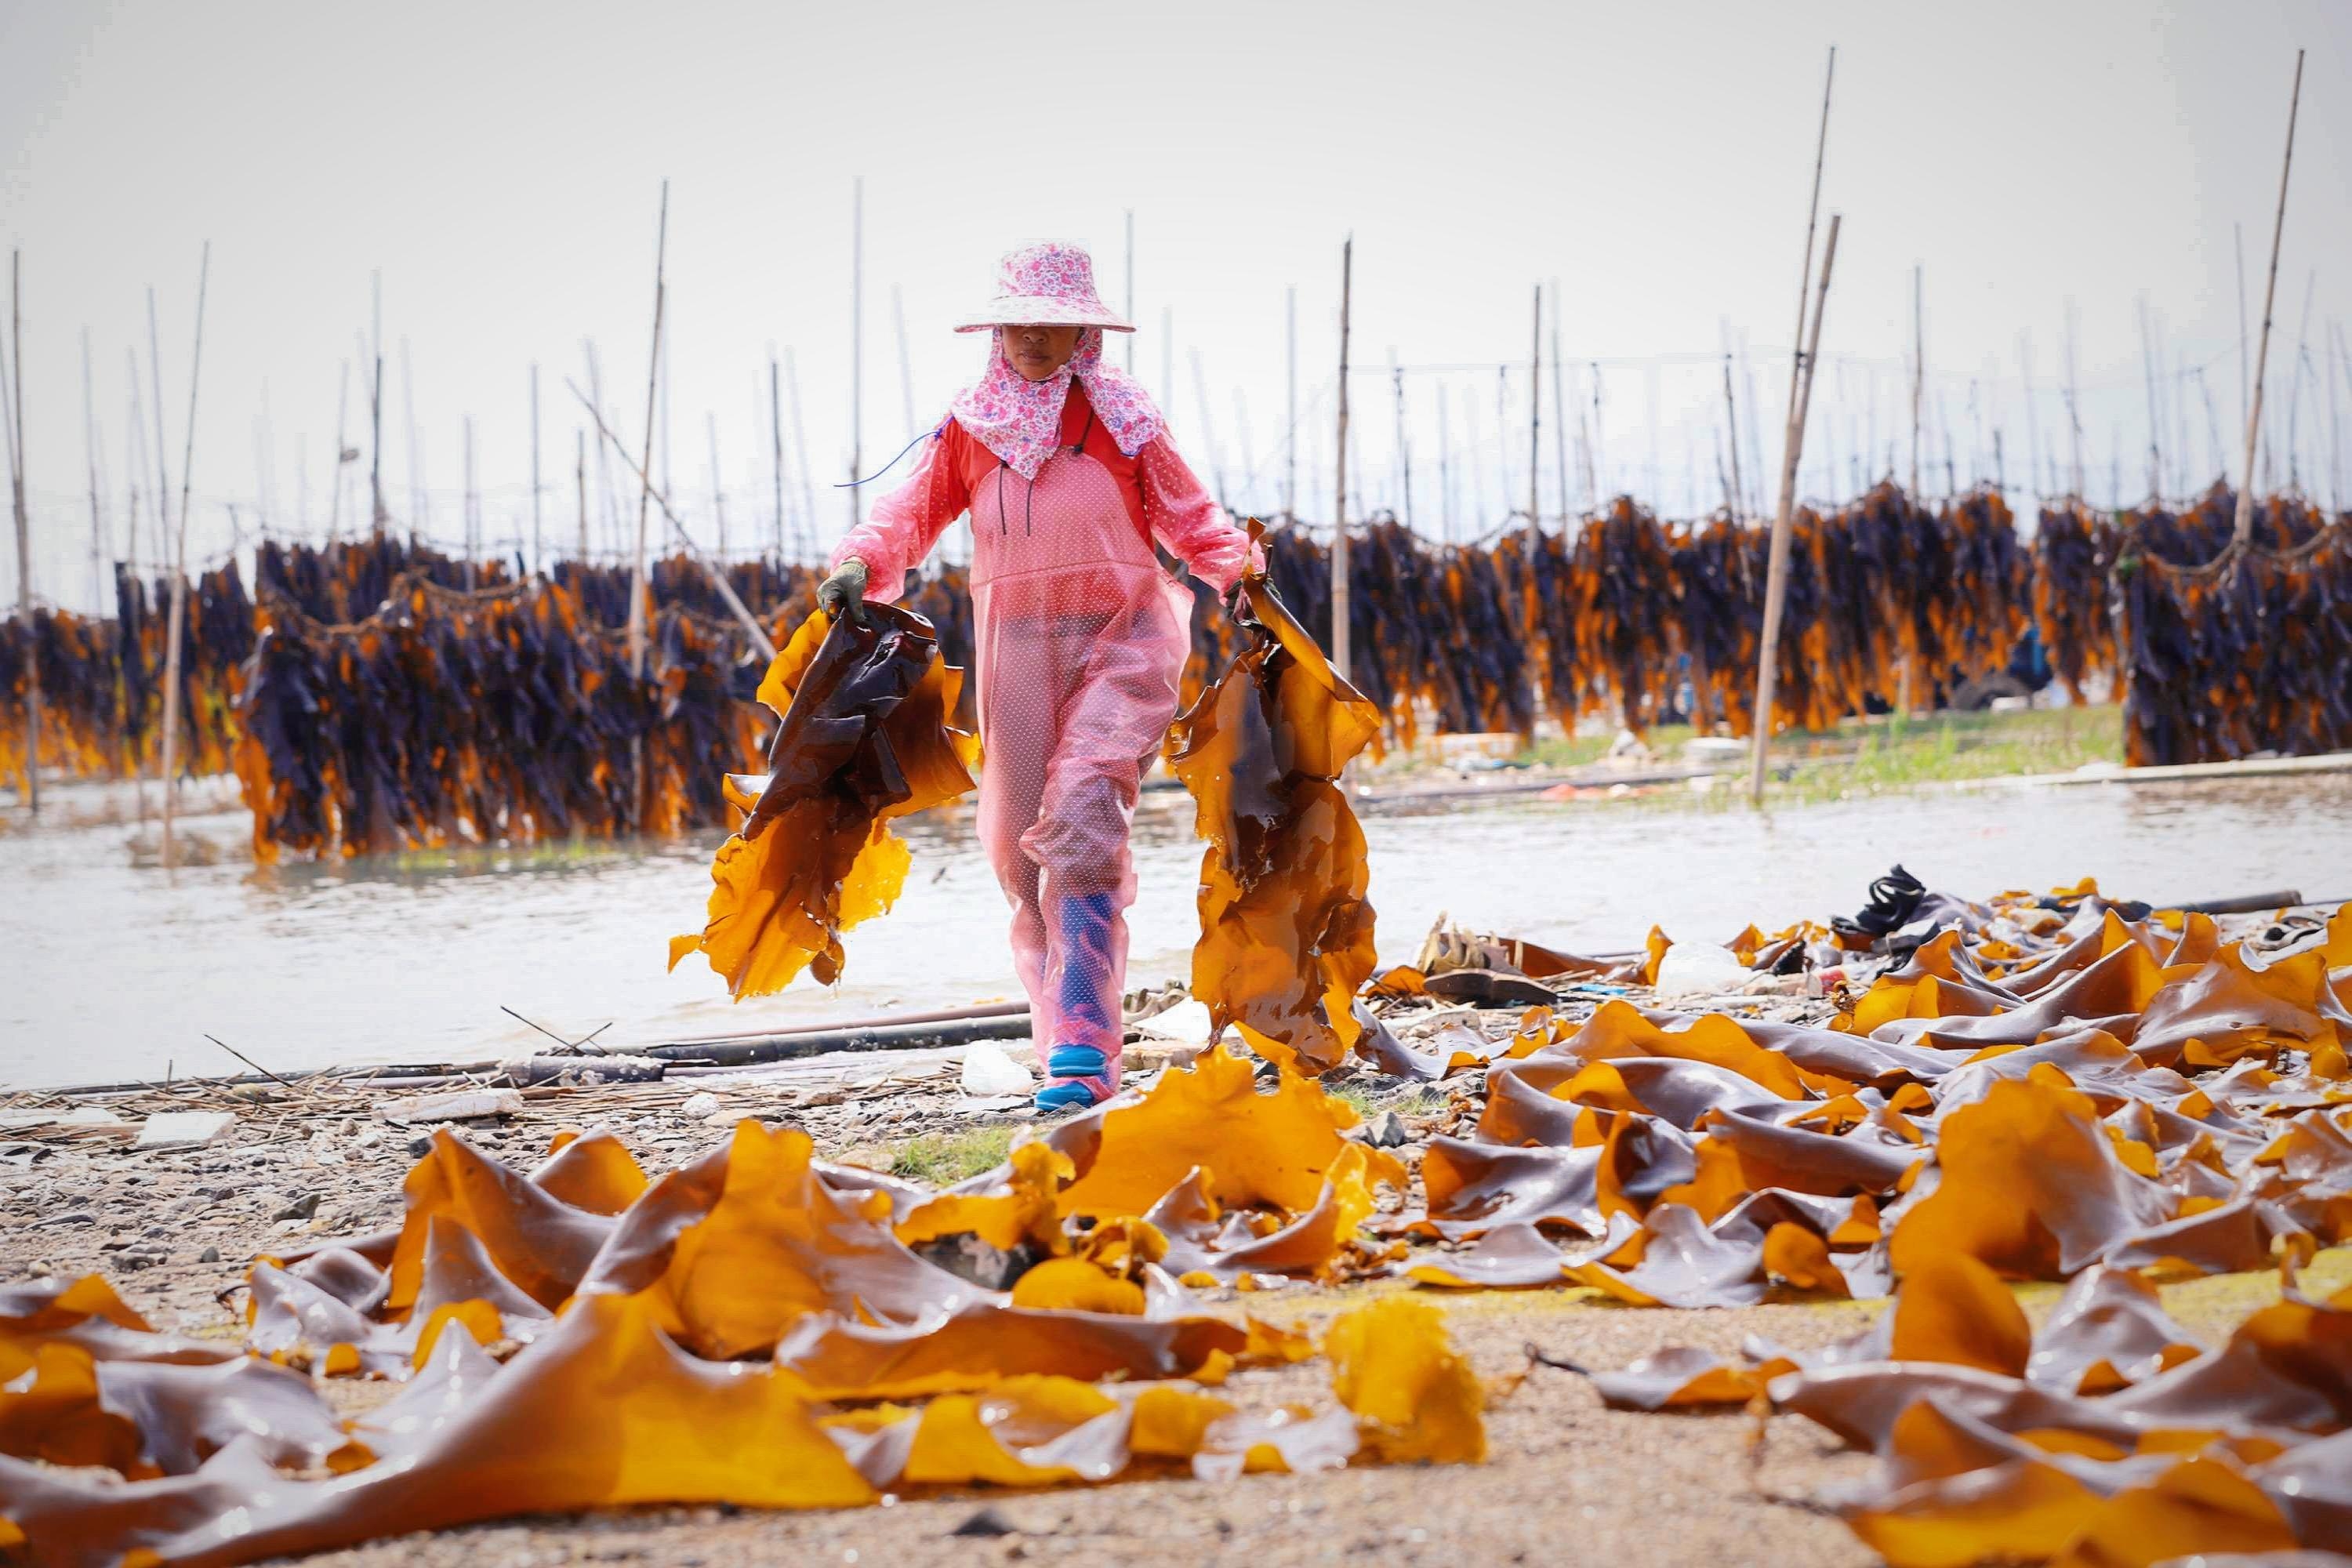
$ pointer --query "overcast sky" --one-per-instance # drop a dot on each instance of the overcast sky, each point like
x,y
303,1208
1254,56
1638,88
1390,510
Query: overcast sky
x,y
501,163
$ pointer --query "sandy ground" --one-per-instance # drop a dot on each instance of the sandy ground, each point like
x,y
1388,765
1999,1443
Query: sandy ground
x,y
174,1231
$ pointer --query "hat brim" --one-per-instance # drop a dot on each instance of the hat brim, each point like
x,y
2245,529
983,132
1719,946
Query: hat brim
x,y
1041,311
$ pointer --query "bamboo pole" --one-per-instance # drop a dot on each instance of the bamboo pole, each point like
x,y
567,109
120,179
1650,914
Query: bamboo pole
x,y
343,408
1290,392
2335,426
538,559
710,568
645,492
800,457
1918,363
471,515
1341,608
2294,391
1731,416
717,494
420,509
2033,414
776,449
14,413
2074,405
2242,534
1209,428
1776,585
637,556
1535,428
1404,453
1444,466
2246,342
580,478
2147,371
175,627
857,340
1559,411
91,461
379,516
905,362
1130,345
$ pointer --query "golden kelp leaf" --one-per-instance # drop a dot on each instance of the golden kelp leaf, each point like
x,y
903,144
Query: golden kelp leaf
x,y
967,1437
1285,934
1414,1396
535,1239
1617,1029
2030,1183
1953,1309
2022,1511
867,736
1025,1210
1075,1285
741,1247
2199,1506
1254,1149
596,1173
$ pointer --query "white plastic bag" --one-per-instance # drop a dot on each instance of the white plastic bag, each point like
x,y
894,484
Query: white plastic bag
x,y
1701,969
989,1072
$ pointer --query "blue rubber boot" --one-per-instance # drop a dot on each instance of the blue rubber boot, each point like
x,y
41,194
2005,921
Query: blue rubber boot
x,y
1079,1078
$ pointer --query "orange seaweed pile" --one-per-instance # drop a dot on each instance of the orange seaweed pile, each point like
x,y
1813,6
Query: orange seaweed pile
x,y
756,1327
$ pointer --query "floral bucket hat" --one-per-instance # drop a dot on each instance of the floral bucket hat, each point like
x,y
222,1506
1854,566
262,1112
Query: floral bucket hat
x,y
1047,284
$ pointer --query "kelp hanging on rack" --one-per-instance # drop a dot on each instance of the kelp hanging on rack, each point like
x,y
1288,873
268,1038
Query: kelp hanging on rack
x,y
2250,650
867,736
81,728
500,715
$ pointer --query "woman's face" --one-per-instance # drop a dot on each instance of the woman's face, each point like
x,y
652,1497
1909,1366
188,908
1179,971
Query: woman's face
x,y
1038,352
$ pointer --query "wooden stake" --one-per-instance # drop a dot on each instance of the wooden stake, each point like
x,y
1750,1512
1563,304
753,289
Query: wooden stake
x,y
580,478
776,449
420,506
1776,579
471,516
1559,412
857,338
717,494
379,516
710,568
13,411
90,460
537,560
1535,427
1776,585
1918,363
645,492
1290,370
1404,453
2242,535
801,458
1340,650
1731,416
906,364
343,406
176,626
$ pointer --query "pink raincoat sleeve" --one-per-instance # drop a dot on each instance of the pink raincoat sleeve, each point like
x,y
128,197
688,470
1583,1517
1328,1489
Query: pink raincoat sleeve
x,y
1194,528
906,523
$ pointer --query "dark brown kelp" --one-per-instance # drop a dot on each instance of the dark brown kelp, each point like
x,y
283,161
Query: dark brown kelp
x,y
867,736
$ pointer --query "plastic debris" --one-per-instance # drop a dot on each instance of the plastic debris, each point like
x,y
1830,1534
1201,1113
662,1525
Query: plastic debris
x,y
989,1073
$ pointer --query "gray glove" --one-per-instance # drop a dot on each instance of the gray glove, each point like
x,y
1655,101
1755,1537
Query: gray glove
x,y
843,594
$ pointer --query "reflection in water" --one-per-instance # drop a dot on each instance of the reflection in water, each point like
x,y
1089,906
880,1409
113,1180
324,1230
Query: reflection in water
x,y
114,972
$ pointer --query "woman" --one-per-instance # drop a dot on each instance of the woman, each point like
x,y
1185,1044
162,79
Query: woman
x,y
1065,469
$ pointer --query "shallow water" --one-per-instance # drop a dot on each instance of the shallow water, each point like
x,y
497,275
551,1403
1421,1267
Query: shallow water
x,y
113,972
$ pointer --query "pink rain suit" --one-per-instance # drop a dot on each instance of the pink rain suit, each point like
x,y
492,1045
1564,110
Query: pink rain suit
x,y
1081,637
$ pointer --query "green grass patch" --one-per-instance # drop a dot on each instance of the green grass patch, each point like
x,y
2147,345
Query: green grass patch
x,y
942,1159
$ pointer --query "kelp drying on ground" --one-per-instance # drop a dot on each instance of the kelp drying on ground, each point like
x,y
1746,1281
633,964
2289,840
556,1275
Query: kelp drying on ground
x,y
2234,651
2056,1088
867,735
1286,932
446,717
756,1327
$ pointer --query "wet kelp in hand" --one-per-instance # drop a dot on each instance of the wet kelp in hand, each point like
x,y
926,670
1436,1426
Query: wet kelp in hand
x,y
577,1336
1285,934
867,735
